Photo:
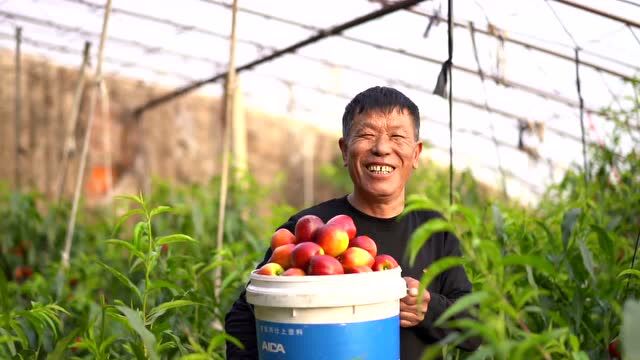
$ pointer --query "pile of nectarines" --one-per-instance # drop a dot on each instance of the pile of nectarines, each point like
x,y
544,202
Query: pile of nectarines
x,y
317,248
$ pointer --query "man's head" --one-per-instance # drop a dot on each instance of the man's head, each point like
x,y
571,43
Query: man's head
x,y
383,99
380,144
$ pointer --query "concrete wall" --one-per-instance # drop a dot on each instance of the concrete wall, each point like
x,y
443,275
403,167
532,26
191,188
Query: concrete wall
x,y
179,141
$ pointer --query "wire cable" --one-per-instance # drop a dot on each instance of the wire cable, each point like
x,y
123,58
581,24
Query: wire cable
x,y
561,23
584,142
634,34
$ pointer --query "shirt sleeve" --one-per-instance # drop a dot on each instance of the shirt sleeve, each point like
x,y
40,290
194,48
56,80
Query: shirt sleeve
x,y
452,285
240,321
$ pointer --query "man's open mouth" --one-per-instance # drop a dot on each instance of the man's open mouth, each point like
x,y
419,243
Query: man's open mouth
x,y
380,169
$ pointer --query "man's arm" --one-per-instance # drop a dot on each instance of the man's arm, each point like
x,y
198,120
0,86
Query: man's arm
x,y
240,323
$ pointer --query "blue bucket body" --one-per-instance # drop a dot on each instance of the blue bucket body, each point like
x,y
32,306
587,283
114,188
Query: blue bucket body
x,y
367,340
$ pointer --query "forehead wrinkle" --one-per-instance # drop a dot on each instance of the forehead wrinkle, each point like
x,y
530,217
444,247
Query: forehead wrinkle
x,y
378,120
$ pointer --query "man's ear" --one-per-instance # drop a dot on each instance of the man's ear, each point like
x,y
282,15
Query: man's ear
x,y
416,154
343,149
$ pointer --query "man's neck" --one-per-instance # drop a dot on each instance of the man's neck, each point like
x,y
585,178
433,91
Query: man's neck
x,y
380,208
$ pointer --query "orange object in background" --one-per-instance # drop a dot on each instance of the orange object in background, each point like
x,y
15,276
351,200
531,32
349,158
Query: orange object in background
x,y
97,181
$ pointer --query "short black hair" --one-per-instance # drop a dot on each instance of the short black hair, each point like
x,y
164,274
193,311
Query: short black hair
x,y
380,98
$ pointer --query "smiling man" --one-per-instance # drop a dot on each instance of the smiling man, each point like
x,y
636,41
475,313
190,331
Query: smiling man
x,y
380,147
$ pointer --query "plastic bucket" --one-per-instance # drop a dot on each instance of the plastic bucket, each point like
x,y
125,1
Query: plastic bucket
x,y
333,317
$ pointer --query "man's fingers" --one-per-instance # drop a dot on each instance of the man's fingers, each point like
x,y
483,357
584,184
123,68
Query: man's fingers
x,y
405,323
412,300
409,300
411,282
410,313
408,319
424,306
412,309
408,308
409,316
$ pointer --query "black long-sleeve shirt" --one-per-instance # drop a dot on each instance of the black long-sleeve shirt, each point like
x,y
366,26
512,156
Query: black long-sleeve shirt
x,y
391,236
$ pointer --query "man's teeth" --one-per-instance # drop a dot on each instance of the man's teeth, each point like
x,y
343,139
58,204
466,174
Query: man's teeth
x,y
380,169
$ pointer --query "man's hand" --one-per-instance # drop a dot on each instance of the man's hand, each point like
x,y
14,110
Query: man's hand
x,y
410,313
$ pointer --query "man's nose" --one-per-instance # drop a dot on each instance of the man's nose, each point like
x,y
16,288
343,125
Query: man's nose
x,y
382,146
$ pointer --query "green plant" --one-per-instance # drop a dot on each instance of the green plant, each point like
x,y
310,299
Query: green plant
x,y
551,281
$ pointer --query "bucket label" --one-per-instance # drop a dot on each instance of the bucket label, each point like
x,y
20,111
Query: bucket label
x,y
368,340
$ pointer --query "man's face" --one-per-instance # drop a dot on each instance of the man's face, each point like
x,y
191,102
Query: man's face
x,y
380,152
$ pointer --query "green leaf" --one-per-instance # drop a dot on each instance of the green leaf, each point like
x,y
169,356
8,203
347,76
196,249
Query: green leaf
x,y
487,331
417,203
212,266
136,264
135,322
483,352
118,317
9,340
606,244
4,294
533,340
133,198
569,220
580,355
587,258
59,352
20,334
228,280
218,340
498,221
196,357
106,344
127,245
162,308
468,214
35,321
422,234
175,238
435,269
431,352
138,232
460,305
530,260
178,341
166,346
123,279
160,284
524,296
632,272
631,329
550,238
125,217
160,210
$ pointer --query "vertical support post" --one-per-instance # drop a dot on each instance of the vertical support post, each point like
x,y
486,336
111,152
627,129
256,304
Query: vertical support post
x,y
105,115
85,145
18,105
226,142
69,141
309,171
583,138
239,143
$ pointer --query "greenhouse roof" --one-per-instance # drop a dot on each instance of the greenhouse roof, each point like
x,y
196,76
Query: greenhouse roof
x,y
515,65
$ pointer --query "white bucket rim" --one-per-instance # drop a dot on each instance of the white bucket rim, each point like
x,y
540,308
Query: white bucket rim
x,y
319,278
326,290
